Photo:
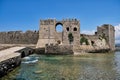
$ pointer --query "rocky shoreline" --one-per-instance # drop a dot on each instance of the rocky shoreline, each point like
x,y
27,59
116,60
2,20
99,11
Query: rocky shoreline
x,y
10,57
9,64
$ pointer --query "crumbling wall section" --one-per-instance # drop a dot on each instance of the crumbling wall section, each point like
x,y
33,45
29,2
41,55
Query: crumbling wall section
x,y
108,31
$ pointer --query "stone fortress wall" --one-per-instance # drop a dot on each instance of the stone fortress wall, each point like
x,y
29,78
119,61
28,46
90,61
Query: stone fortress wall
x,y
108,32
48,33
19,37
58,49
102,39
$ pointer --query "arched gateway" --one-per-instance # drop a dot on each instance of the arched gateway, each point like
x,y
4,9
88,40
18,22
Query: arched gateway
x,y
49,35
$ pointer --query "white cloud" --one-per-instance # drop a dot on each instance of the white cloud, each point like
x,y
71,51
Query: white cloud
x,y
117,33
88,32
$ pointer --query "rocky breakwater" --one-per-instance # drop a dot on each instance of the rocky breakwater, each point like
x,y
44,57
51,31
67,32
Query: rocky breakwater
x,y
9,59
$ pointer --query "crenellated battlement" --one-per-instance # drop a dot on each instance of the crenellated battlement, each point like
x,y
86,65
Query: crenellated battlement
x,y
53,21
47,22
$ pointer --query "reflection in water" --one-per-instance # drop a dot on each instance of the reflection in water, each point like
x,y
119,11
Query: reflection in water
x,y
89,67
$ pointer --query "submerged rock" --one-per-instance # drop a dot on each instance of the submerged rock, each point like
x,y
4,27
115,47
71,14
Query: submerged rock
x,y
38,72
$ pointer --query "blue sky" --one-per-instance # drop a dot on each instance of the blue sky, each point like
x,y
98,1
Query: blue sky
x,y
25,14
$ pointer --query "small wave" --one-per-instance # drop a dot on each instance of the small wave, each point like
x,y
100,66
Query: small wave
x,y
30,59
33,61
26,58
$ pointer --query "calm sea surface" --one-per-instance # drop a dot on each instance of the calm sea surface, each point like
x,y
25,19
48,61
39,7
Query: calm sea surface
x,y
68,67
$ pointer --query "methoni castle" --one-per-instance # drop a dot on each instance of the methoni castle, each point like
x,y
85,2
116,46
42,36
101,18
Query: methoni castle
x,y
70,40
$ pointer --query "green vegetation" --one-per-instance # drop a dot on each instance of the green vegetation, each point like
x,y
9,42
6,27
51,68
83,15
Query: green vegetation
x,y
70,37
84,40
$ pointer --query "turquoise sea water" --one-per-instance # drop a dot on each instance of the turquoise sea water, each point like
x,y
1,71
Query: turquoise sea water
x,y
68,67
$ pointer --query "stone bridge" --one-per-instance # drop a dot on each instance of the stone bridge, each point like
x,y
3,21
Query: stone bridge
x,y
11,58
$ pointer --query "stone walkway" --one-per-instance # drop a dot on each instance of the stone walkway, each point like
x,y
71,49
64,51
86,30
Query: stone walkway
x,y
9,53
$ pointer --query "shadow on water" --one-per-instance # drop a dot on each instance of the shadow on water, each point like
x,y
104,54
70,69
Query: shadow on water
x,y
19,79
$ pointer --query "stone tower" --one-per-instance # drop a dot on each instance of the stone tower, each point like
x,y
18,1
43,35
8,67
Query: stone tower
x,y
49,35
109,32
46,33
71,26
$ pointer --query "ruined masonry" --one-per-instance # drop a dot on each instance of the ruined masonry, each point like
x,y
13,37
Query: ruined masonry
x,y
103,38
47,37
